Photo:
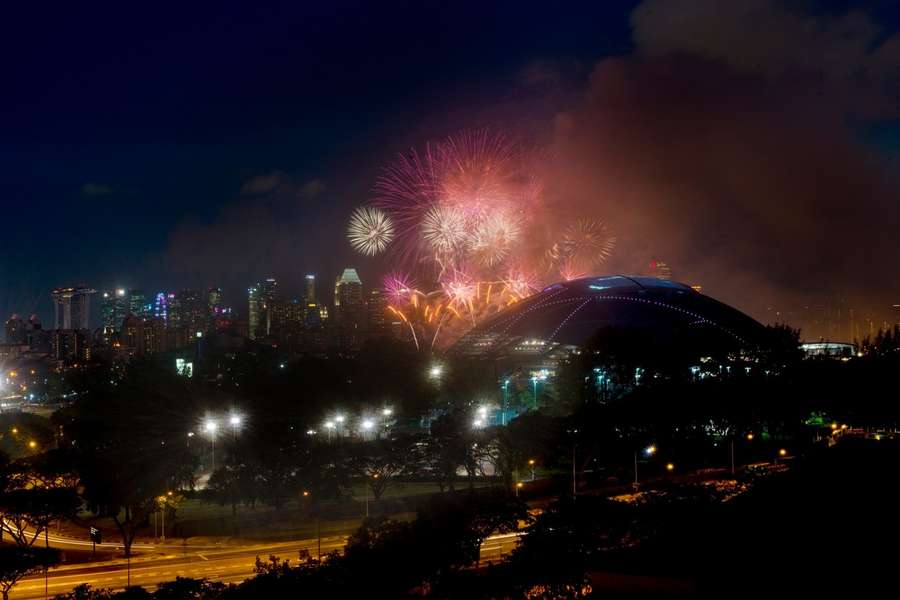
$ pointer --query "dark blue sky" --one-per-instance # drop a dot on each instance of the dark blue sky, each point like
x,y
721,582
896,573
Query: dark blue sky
x,y
161,146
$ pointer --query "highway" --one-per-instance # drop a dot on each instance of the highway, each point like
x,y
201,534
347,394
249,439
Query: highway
x,y
229,564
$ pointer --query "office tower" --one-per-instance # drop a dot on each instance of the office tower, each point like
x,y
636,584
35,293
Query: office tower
x,y
349,310
189,311
310,292
254,310
114,305
262,298
347,292
161,307
15,330
378,323
72,307
137,304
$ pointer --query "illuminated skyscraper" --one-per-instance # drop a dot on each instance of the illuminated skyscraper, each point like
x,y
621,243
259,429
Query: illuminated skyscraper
x,y
310,293
189,311
137,304
161,307
113,308
254,310
72,307
349,310
377,309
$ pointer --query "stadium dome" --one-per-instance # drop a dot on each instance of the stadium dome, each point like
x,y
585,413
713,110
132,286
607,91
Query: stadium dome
x,y
567,314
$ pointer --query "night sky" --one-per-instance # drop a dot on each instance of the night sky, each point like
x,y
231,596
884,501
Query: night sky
x,y
185,146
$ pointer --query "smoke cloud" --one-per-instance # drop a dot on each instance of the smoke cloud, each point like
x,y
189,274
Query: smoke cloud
x,y
731,150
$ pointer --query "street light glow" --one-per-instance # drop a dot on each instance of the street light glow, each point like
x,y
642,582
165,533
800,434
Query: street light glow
x,y
387,412
367,424
650,450
339,418
435,371
210,426
329,424
235,420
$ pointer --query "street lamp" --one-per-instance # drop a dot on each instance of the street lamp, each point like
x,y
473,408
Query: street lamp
x,y
531,464
648,452
519,486
235,421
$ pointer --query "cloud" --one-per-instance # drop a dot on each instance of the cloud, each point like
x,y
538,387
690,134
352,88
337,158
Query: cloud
x,y
750,184
311,188
847,55
96,189
263,184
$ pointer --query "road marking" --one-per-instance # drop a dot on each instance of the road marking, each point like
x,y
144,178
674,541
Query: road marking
x,y
201,556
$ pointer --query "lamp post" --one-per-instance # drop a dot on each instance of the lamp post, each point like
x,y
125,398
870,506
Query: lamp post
x,y
531,464
211,426
235,421
648,451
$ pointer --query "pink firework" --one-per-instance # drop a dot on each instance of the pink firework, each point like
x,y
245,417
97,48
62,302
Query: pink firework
x,y
494,238
520,283
460,289
570,269
398,287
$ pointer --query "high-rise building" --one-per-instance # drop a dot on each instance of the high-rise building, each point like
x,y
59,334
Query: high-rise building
x,y
15,330
254,310
192,305
35,336
377,310
310,292
188,310
347,291
349,310
161,307
262,297
72,307
114,305
137,304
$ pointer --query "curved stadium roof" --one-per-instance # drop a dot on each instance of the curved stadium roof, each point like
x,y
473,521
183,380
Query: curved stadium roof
x,y
568,313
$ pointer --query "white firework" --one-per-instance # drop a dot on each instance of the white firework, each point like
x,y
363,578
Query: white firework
x,y
444,229
494,237
370,230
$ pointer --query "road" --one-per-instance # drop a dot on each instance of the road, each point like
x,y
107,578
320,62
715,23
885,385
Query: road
x,y
229,564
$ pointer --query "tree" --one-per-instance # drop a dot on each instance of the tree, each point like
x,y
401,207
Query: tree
x,y
17,562
380,461
128,436
29,512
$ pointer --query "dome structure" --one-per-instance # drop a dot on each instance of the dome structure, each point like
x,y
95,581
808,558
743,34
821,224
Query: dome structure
x,y
566,314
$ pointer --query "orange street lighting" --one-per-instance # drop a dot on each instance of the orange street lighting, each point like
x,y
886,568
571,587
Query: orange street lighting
x,y
32,444
15,430
782,452
670,467
749,437
305,493
531,461
834,426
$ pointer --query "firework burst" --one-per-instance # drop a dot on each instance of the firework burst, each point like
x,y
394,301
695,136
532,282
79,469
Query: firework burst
x,y
493,240
370,230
